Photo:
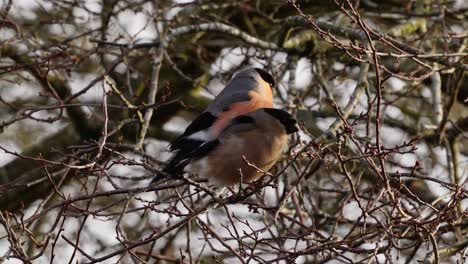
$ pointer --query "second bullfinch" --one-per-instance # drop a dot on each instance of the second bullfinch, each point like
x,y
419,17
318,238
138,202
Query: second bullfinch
x,y
249,145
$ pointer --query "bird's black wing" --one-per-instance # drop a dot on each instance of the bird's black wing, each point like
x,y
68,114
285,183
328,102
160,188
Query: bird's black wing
x,y
185,155
239,124
202,122
189,149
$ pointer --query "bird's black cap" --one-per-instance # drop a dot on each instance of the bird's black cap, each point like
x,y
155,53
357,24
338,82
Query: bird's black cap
x,y
266,76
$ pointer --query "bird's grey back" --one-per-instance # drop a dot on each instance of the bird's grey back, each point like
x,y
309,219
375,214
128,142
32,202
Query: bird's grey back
x,y
236,90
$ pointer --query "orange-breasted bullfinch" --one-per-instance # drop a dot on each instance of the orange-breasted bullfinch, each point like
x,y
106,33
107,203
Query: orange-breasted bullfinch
x,y
249,145
248,90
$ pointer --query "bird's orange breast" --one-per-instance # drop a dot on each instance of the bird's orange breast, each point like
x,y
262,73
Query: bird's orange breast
x,y
242,157
257,101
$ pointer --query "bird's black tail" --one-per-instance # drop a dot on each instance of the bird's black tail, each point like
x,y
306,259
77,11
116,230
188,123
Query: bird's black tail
x,y
189,149
174,169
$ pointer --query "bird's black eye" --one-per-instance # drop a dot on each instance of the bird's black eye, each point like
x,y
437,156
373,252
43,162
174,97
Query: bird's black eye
x,y
266,76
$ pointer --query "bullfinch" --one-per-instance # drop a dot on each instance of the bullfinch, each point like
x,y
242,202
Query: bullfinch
x,y
248,90
249,145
